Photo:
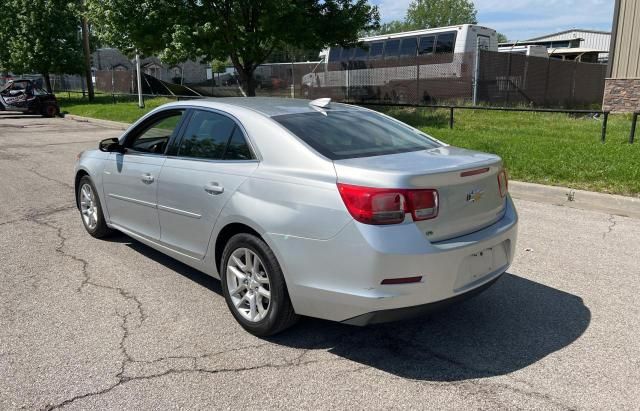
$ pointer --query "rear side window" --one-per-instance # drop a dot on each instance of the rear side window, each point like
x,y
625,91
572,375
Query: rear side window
x,y
349,134
238,149
446,42
206,136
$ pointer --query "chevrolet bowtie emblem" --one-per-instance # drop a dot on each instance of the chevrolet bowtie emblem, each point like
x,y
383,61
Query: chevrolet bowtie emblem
x,y
474,196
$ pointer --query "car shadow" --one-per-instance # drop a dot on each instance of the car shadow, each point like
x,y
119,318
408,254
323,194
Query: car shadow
x,y
512,325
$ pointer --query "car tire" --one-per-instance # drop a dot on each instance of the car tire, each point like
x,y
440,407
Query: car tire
x,y
90,209
267,276
49,110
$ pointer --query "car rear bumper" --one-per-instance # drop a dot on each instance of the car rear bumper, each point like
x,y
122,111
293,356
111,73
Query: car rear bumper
x,y
397,314
340,278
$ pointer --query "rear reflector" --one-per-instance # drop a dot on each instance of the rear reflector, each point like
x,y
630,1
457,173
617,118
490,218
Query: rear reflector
x,y
474,172
405,280
388,205
503,183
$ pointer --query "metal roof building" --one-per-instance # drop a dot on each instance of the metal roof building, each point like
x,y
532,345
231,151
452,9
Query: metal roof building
x,y
590,39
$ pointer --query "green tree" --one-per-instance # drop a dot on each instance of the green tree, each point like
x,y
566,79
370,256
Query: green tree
x,y
45,39
394,26
7,31
244,31
424,14
135,26
502,38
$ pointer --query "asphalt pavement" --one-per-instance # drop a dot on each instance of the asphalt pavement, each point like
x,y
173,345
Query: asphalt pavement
x,y
95,324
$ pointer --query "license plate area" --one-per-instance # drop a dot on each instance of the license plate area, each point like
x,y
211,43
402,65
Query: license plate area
x,y
480,264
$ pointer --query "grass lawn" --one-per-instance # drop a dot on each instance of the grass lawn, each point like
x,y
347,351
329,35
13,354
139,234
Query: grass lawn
x,y
546,148
126,110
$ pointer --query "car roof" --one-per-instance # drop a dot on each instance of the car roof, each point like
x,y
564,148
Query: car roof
x,y
267,106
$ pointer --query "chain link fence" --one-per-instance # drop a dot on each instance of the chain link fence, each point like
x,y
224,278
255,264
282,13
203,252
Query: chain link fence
x,y
488,79
503,79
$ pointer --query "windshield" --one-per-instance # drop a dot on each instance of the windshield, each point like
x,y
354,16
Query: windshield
x,y
349,134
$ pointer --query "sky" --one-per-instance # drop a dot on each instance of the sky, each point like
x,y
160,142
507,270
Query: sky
x,y
524,19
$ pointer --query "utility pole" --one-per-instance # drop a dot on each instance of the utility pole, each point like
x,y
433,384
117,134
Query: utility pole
x,y
87,57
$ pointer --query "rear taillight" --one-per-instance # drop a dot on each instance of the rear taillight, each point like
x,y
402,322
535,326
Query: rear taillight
x,y
503,183
388,206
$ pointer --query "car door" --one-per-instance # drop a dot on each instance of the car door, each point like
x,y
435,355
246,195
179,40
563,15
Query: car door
x,y
212,159
130,179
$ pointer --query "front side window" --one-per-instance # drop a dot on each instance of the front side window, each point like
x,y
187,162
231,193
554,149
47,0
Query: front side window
x,y
156,135
349,134
213,136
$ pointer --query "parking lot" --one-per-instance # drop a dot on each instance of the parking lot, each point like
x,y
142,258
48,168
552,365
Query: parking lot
x,y
86,323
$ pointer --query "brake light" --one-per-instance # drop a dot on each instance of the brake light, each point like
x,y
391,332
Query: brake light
x,y
388,206
503,183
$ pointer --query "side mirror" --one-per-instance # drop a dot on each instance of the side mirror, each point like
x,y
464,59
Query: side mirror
x,y
111,145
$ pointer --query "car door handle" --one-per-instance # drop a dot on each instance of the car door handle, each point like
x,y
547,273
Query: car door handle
x,y
214,188
147,178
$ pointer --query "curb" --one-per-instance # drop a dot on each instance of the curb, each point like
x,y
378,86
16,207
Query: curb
x,y
580,199
105,123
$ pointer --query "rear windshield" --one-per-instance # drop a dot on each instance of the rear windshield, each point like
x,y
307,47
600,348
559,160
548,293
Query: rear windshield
x,y
349,134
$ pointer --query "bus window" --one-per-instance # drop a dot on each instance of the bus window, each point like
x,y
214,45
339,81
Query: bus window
x,y
361,53
446,42
334,54
426,45
347,54
391,48
408,47
375,50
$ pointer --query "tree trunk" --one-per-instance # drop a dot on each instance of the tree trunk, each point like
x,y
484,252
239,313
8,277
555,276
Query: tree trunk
x,y
247,80
87,57
47,82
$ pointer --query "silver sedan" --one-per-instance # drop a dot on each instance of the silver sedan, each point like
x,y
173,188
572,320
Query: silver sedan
x,y
304,208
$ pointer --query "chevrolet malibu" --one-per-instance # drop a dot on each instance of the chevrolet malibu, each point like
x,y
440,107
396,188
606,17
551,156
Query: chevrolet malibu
x,y
304,208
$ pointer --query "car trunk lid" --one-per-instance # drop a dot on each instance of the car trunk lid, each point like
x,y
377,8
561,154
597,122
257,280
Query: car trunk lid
x,y
467,184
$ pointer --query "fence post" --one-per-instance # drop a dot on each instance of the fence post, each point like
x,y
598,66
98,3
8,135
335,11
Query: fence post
x,y
476,74
604,126
546,83
634,120
451,117
509,84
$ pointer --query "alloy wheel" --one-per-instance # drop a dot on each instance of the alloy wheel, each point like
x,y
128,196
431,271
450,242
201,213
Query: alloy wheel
x,y
88,207
248,285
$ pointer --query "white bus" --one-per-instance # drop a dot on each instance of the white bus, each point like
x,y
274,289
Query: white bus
x,y
415,64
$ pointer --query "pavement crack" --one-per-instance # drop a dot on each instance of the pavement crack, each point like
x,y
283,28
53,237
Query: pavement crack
x,y
612,224
45,177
